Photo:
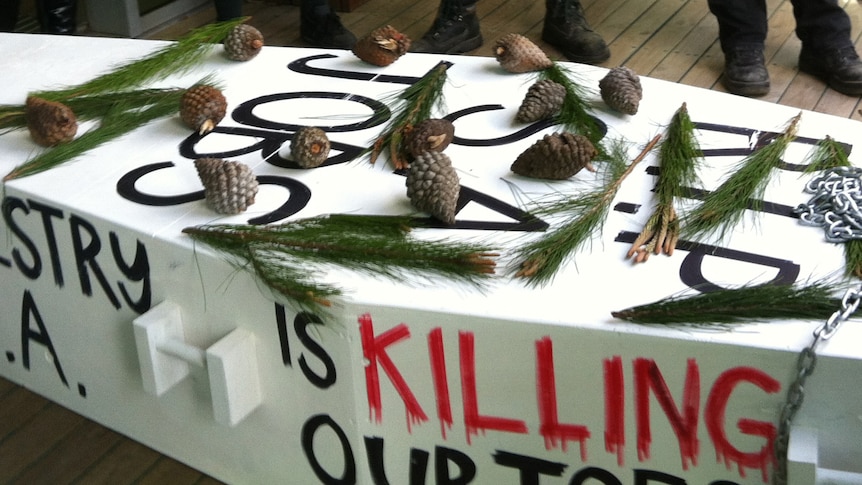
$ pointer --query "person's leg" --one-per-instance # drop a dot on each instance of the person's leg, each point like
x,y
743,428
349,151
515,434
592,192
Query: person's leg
x,y
827,49
455,29
319,26
567,29
742,28
228,9
58,16
8,15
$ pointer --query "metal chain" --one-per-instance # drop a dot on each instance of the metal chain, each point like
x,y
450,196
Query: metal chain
x,y
836,204
805,364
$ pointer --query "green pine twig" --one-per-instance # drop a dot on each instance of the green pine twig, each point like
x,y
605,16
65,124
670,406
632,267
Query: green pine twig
x,y
575,113
290,257
416,103
540,260
679,157
738,305
723,208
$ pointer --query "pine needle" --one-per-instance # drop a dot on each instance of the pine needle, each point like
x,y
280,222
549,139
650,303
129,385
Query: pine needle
x,y
119,121
738,305
575,114
177,58
416,103
290,257
723,208
541,259
679,157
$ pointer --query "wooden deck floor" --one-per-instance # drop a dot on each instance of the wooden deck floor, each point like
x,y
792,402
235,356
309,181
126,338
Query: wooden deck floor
x,y
674,40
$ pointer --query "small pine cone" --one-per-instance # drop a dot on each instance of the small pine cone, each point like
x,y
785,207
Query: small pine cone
x,y
518,54
433,134
556,156
621,90
544,99
382,46
202,107
433,185
309,147
229,187
243,43
50,123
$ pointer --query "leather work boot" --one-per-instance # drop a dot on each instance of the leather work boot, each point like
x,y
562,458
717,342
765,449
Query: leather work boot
x,y
455,29
324,29
841,68
745,72
567,29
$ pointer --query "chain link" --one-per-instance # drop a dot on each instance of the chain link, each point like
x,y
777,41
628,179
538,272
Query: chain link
x,y
836,204
805,364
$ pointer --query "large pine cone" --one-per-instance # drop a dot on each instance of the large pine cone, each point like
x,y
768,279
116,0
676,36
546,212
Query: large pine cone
x,y
543,100
50,123
518,54
202,107
433,186
433,134
556,156
382,46
229,186
309,147
621,90
243,43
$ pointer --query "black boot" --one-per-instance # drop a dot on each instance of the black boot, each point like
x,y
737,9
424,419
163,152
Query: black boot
x,y
566,29
841,68
319,26
454,31
58,16
745,71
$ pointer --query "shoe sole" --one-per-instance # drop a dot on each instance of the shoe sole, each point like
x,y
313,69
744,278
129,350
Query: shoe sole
x,y
751,90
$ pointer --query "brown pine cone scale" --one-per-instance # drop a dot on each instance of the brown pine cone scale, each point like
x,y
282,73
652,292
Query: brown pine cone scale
x,y
382,46
433,186
556,156
621,90
50,123
202,107
229,186
243,43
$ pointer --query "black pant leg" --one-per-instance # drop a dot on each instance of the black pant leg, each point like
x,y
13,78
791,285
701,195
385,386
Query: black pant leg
x,y
822,24
8,14
228,9
741,23
58,16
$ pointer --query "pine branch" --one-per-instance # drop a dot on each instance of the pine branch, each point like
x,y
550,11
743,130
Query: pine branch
x,y
416,103
289,257
575,113
723,208
541,259
679,156
738,305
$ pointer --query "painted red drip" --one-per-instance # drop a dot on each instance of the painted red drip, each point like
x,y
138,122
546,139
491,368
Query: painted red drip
x,y
441,384
615,395
684,424
473,421
374,350
715,412
555,433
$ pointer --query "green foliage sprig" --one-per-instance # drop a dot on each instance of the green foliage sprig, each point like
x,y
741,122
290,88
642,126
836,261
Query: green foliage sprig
x,y
540,260
763,302
416,103
679,157
290,257
723,208
575,113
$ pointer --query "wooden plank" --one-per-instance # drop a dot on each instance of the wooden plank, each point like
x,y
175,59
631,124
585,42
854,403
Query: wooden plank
x,y
166,470
33,439
124,464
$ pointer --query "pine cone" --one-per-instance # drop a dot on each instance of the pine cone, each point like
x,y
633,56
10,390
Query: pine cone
x,y
50,123
243,42
202,107
543,100
433,185
229,187
518,54
382,46
309,147
556,156
433,134
621,90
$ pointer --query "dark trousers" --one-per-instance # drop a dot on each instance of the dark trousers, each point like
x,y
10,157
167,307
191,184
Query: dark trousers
x,y
228,9
55,16
820,24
